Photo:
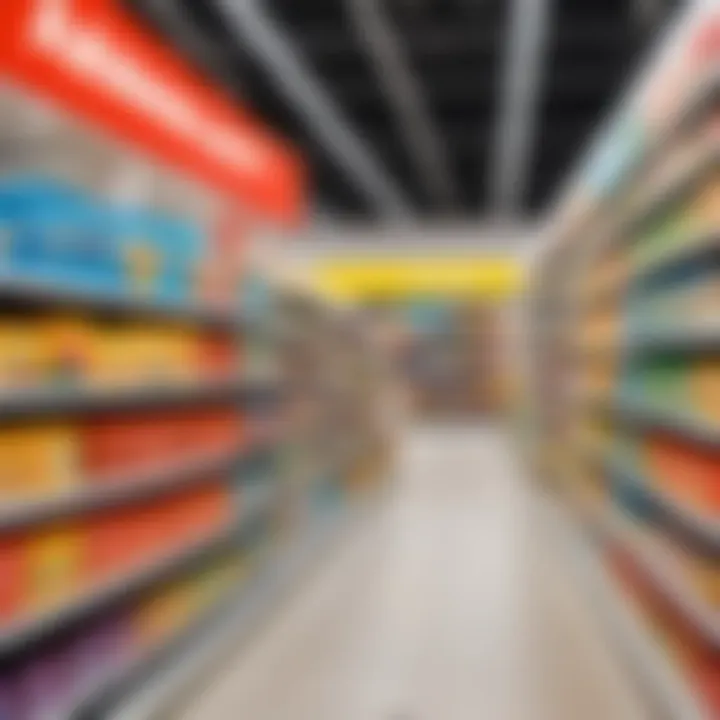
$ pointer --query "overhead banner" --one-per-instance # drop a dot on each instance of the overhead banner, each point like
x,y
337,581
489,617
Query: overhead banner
x,y
92,59
491,278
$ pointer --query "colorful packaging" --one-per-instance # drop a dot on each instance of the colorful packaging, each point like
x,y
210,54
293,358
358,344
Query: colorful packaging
x,y
661,382
14,578
68,351
217,356
689,473
705,388
163,614
55,557
140,257
22,356
180,245
38,461
704,212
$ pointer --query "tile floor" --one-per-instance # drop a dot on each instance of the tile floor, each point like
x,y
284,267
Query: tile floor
x,y
449,605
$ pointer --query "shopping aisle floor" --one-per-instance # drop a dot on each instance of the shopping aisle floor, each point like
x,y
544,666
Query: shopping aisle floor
x,y
449,605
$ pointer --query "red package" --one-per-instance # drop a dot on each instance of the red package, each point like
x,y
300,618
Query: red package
x,y
687,472
13,578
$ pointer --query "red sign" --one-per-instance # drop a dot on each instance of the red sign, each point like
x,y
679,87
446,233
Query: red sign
x,y
92,58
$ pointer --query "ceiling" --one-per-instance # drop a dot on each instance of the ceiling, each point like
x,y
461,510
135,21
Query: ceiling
x,y
453,55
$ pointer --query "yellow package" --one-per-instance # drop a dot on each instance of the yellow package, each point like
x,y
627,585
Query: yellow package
x,y
67,345
163,614
705,576
178,351
705,388
218,581
703,214
114,355
22,357
38,461
161,355
55,565
142,265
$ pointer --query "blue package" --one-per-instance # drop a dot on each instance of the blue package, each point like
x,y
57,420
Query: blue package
x,y
39,218
179,245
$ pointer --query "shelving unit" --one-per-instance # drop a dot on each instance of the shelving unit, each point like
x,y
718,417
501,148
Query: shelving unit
x,y
671,696
626,350
167,470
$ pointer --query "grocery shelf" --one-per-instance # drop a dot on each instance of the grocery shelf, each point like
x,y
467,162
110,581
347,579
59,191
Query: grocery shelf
x,y
133,486
704,527
702,162
666,579
692,247
695,246
41,403
253,604
41,295
644,415
674,339
26,632
670,693
698,101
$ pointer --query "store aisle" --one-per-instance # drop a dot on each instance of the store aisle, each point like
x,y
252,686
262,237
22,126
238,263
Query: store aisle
x,y
449,606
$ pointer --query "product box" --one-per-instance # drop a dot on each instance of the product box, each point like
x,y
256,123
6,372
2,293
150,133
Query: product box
x,y
140,257
55,558
114,446
22,356
661,382
67,351
705,388
14,578
217,356
686,472
164,614
37,461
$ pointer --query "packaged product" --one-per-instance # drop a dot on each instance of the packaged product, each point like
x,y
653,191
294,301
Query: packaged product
x,y
180,244
200,512
55,557
40,218
704,211
171,355
112,547
140,256
686,472
162,615
704,576
38,461
217,356
114,446
22,355
705,388
209,429
661,382
68,350
14,578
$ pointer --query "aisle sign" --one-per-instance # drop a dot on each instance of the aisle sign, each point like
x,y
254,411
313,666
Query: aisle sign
x,y
493,278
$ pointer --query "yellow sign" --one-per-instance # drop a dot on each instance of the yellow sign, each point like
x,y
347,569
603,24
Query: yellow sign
x,y
491,278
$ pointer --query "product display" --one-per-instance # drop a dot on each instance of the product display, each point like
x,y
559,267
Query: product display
x,y
150,398
625,306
